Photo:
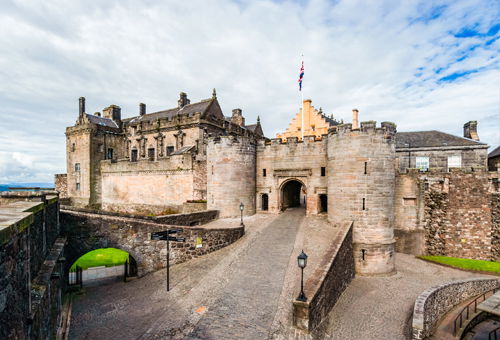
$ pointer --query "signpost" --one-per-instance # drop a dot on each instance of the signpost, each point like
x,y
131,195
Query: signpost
x,y
168,235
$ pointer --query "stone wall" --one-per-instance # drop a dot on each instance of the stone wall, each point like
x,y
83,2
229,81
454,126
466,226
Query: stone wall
x,y
447,213
61,185
433,303
361,186
292,160
327,283
88,231
31,282
231,175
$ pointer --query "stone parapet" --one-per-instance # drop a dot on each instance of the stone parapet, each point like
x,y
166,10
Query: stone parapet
x,y
436,301
328,282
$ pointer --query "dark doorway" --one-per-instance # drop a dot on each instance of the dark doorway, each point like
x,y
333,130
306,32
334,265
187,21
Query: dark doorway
x,y
133,157
323,203
265,202
291,194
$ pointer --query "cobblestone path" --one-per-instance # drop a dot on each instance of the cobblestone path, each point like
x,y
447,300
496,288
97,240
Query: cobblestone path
x,y
248,302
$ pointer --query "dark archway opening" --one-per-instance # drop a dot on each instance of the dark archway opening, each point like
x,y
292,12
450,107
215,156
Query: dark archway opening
x,y
323,203
291,194
265,202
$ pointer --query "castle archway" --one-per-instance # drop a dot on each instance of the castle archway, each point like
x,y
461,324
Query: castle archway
x,y
293,194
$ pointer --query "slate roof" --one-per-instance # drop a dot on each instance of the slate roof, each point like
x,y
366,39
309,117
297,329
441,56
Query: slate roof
x,y
495,152
432,138
201,106
251,127
330,121
101,121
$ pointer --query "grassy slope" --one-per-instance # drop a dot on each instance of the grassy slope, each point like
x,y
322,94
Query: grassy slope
x,y
487,266
101,257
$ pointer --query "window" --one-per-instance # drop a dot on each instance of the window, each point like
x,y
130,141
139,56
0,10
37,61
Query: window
x,y
364,204
313,127
72,147
454,161
170,150
151,154
77,186
323,171
366,168
422,163
77,167
133,156
109,155
264,173
298,129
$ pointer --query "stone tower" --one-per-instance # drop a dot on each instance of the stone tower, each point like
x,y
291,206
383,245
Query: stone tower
x,y
231,175
361,182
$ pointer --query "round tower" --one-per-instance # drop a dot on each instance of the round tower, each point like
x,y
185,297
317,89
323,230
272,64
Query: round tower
x,y
231,175
361,181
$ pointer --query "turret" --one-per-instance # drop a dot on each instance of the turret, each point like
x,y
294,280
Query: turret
x,y
231,175
361,182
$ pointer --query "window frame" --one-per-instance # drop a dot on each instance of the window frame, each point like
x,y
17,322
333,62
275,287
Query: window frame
x,y
422,160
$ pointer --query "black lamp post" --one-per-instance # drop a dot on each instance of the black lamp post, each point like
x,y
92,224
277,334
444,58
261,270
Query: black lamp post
x,y
302,262
242,206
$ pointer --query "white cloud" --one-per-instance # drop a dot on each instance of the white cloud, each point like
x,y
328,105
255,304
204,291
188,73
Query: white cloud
x,y
378,56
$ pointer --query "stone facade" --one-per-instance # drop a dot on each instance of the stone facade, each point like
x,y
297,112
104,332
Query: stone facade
x,y
328,282
61,185
150,163
89,231
436,301
31,276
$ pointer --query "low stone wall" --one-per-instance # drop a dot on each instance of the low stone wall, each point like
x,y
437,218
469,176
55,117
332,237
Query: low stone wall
x,y
89,231
327,283
436,301
185,219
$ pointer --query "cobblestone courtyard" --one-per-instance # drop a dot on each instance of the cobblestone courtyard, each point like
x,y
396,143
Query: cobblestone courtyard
x,y
244,291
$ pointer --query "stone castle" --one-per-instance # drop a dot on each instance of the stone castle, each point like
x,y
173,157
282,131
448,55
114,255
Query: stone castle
x,y
403,190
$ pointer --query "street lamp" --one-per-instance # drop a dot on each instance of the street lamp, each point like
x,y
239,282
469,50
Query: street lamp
x,y
302,261
242,206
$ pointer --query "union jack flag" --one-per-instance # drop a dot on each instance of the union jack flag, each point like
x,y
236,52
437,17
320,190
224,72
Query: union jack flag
x,y
301,76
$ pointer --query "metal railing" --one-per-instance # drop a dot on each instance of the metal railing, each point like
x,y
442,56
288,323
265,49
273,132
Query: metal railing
x,y
494,334
460,317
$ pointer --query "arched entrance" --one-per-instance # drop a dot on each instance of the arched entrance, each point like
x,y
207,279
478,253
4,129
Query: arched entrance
x,y
293,194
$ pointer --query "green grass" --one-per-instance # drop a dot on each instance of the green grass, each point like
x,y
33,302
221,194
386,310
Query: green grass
x,y
480,265
108,257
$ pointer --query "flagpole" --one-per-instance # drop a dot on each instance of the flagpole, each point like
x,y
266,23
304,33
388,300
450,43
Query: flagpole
x,y
302,104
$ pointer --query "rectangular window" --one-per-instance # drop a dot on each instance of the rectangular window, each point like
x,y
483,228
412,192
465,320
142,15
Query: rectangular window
x,y
323,171
72,147
151,154
133,156
422,163
77,167
264,173
170,150
454,161
77,186
364,204
109,155
366,168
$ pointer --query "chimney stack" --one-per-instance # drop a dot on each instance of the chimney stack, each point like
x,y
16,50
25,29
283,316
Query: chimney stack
x,y
183,100
237,117
355,119
142,109
81,110
470,130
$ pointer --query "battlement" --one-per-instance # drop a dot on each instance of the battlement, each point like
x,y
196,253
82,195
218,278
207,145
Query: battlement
x,y
367,126
232,140
292,140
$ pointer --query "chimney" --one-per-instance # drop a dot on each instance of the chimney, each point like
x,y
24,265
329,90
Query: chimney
x,y
113,112
142,109
81,110
183,100
355,119
470,130
237,118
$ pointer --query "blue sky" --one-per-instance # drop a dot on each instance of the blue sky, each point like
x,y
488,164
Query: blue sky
x,y
421,64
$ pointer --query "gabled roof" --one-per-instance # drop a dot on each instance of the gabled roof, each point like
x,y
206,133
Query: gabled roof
x,y
101,121
201,107
183,150
432,138
495,152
